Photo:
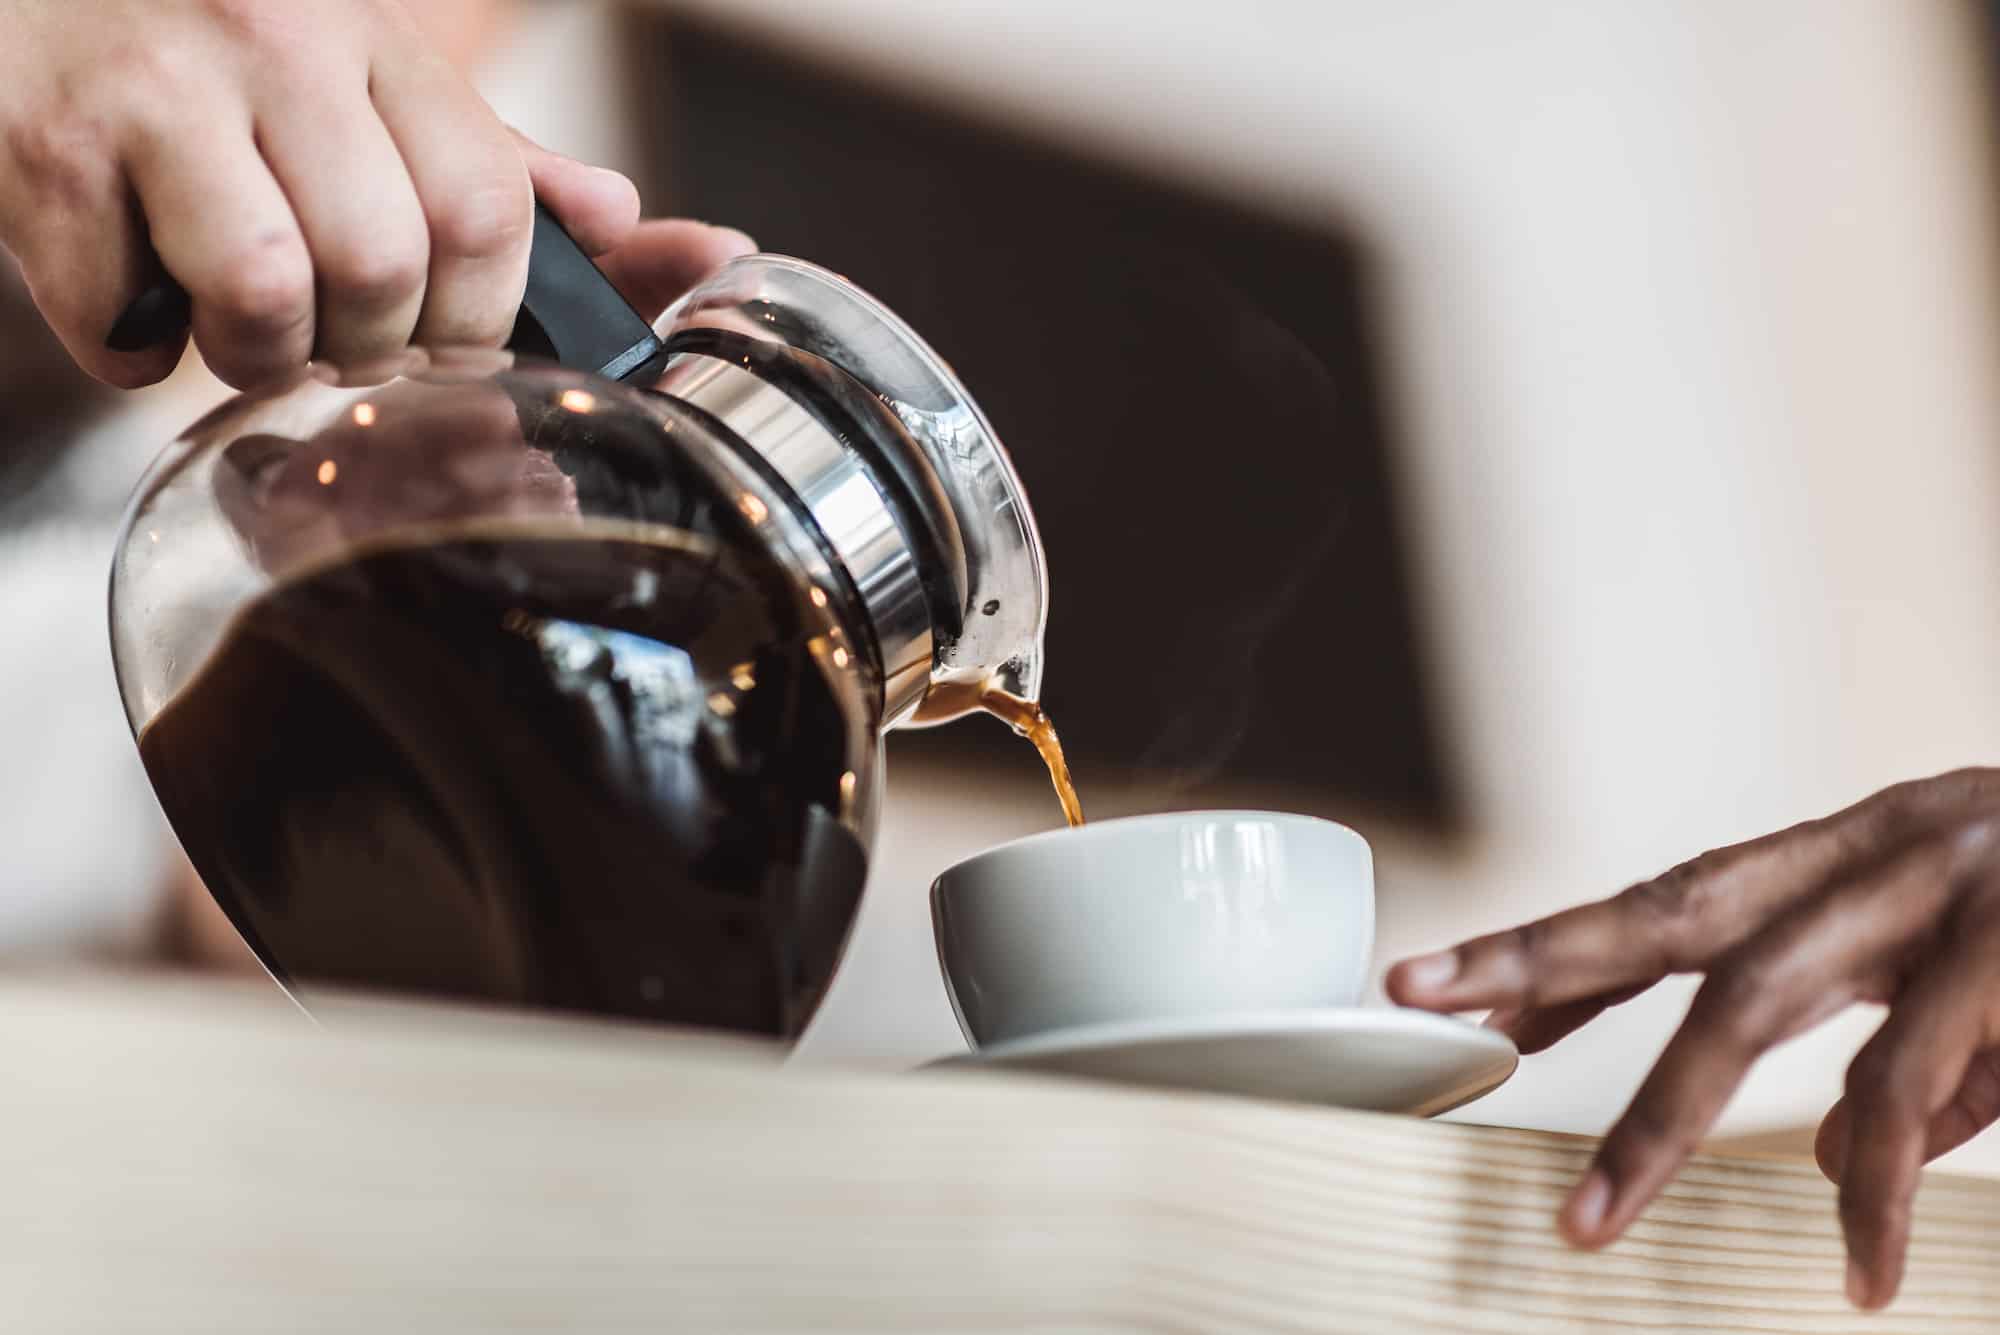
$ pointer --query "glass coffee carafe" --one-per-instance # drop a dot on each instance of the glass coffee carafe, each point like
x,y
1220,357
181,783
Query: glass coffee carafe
x,y
556,676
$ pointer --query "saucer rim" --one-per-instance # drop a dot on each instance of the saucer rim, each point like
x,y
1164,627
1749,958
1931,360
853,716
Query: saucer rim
x,y
1234,1024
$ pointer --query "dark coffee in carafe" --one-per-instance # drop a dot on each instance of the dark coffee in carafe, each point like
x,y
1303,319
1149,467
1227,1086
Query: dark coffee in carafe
x,y
590,767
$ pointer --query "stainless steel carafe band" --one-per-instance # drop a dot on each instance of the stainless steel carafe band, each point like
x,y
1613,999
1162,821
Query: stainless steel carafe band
x,y
845,501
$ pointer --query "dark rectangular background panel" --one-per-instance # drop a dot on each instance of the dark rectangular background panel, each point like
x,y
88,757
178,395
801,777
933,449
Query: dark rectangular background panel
x,y
1191,390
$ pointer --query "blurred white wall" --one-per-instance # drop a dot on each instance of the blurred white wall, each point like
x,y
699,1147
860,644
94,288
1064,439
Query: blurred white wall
x,y
1693,310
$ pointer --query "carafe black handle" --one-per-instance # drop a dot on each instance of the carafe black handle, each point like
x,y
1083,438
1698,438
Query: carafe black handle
x,y
571,313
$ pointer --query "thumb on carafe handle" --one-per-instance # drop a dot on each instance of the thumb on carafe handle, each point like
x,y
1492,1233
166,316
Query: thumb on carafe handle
x,y
570,313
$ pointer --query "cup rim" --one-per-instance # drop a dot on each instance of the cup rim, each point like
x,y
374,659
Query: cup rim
x,y
1096,829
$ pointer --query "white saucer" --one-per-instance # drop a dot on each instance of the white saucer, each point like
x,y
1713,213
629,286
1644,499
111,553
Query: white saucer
x,y
1376,1059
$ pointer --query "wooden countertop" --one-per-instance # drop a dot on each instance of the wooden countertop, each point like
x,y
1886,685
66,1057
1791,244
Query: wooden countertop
x,y
178,1158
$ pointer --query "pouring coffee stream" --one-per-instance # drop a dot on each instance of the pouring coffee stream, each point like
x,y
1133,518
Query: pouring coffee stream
x,y
565,687
1026,718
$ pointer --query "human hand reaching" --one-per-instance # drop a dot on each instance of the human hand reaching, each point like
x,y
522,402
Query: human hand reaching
x,y
1895,900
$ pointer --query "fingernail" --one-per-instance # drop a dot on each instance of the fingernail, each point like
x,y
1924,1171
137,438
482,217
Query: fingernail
x,y
1431,972
1584,1214
739,241
1857,1283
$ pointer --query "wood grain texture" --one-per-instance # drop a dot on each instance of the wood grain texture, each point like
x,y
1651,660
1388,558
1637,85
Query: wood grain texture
x,y
175,1159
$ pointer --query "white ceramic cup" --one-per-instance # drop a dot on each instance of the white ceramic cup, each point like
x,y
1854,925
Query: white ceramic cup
x,y
1181,914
